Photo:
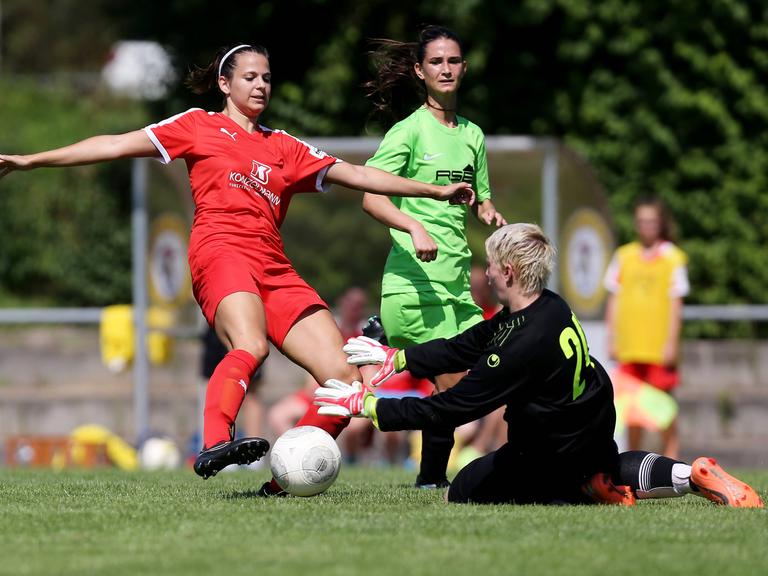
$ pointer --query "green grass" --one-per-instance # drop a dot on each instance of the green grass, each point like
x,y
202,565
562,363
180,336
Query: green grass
x,y
369,522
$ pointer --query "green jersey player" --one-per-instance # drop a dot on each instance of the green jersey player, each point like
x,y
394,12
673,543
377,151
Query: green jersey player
x,y
425,286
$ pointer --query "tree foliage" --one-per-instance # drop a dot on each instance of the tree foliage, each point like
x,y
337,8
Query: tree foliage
x,y
65,233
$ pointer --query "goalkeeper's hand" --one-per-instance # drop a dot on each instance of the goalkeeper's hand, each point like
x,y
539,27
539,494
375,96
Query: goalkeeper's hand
x,y
337,398
364,350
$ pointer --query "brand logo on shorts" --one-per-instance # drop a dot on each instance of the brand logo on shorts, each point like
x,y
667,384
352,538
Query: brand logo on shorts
x,y
494,360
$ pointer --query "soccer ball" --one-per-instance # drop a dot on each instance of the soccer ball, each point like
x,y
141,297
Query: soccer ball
x,y
305,461
159,454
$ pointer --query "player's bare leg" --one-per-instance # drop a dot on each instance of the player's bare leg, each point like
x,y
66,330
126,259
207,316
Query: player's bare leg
x,y
241,326
634,437
671,441
315,343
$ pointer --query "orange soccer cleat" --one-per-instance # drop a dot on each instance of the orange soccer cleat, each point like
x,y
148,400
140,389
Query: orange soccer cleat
x,y
715,484
601,489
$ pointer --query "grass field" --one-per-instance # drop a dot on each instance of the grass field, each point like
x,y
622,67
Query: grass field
x,y
369,522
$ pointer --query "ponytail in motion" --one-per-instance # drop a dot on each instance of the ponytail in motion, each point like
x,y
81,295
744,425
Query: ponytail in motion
x,y
203,80
395,89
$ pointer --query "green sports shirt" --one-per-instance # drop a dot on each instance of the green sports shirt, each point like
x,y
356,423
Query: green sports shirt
x,y
421,148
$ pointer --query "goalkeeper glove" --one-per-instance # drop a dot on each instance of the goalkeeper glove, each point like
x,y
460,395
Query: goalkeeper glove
x,y
363,350
337,398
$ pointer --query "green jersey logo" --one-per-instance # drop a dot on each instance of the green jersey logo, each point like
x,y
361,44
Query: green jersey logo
x,y
455,176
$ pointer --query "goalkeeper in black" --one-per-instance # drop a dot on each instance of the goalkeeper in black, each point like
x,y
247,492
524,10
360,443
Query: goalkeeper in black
x,y
533,358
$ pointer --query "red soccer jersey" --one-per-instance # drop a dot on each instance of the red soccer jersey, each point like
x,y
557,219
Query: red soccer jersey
x,y
241,183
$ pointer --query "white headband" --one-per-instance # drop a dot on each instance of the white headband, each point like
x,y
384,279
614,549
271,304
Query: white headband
x,y
228,54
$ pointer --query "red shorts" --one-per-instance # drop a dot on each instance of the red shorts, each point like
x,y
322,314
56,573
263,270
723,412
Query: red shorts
x,y
219,273
402,385
662,377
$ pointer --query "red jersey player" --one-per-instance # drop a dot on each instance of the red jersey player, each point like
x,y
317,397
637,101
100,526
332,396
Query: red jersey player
x,y
243,176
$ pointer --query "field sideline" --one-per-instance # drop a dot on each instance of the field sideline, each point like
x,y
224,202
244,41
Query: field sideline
x,y
369,522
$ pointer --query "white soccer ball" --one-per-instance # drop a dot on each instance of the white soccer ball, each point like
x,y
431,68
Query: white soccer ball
x,y
159,454
305,461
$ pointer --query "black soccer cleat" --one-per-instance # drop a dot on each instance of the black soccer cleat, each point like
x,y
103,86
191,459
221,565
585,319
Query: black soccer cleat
x,y
375,330
242,451
266,491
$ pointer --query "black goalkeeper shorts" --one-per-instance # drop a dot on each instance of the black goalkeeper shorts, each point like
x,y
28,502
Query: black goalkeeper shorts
x,y
504,476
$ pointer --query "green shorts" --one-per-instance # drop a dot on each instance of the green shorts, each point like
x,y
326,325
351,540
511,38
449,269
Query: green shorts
x,y
418,317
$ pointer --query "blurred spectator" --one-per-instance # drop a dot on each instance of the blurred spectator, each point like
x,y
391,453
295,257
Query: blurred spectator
x,y
283,415
481,291
647,280
351,312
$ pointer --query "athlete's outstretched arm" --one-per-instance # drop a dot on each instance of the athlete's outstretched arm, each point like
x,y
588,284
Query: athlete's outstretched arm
x,y
89,151
370,179
450,355
390,215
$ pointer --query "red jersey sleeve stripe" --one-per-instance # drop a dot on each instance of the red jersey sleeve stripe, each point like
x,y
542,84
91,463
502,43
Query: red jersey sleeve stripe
x,y
320,183
166,158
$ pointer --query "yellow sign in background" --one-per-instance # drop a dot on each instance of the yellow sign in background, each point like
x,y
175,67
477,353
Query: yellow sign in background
x,y
587,245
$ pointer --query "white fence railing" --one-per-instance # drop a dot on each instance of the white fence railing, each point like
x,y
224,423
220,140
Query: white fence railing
x,y
726,312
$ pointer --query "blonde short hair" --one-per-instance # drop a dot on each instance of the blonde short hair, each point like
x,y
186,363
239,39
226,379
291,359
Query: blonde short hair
x,y
527,250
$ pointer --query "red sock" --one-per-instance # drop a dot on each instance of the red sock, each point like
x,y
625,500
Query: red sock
x,y
331,424
224,395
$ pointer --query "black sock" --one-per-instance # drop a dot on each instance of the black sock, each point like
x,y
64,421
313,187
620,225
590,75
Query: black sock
x,y
436,446
648,474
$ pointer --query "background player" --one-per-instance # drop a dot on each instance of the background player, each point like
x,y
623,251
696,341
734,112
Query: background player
x,y
647,280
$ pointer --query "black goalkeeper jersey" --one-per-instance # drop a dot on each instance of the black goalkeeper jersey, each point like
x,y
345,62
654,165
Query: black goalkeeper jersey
x,y
536,362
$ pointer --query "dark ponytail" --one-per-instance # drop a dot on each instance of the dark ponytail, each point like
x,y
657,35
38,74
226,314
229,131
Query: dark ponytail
x,y
203,80
395,89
